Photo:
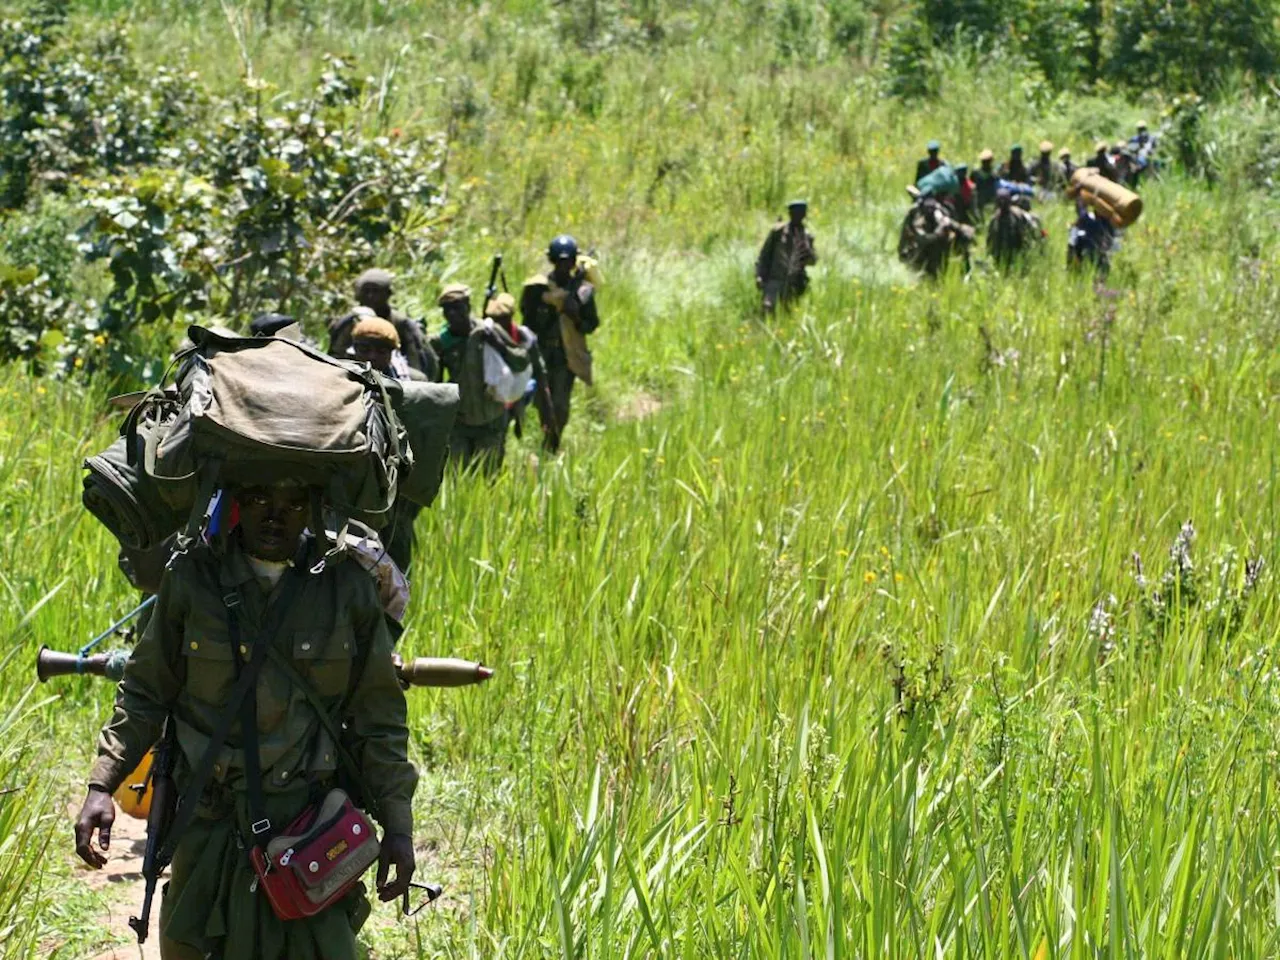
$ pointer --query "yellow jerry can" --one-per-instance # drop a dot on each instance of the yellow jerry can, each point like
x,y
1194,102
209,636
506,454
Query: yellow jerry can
x,y
134,795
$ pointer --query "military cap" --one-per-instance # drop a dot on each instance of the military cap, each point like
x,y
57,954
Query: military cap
x,y
1064,153
1142,124
1121,146
1045,146
798,204
1100,146
501,307
454,293
987,154
961,168
1016,148
933,146
375,329
373,279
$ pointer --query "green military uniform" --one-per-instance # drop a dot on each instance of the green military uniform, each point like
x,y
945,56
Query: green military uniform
x,y
480,433
335,636
782,267
1011,232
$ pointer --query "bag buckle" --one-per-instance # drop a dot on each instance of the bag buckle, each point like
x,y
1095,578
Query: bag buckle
x,y
261,827
231,600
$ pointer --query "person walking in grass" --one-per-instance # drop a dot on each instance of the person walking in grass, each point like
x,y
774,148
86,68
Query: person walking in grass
x,y
1066,169
373,293
931,162
1015,169
985,181
1102,162
782,269
1044,172
324,631
480,434
1012,231
561,309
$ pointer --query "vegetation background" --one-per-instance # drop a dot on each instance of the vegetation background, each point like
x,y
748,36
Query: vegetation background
x,y
826,637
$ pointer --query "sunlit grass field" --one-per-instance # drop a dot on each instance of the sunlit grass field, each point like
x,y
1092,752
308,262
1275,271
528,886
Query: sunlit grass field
x,y
824,637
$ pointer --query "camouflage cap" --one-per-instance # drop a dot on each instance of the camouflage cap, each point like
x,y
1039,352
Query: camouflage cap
x,y
501,307
454,293
987,154
374,279
1045,146
376,330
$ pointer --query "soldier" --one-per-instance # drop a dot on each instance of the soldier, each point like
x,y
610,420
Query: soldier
x,y
1065,167
782,267
930,163
561,310
985,181
502,311
1142,142
480,434
1014,170
375,341
323,627
373,292
929,235
1012,230
1044,174
1102,163
963,203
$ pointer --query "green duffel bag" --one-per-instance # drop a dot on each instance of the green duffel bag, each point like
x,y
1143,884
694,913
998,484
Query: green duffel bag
x,y
132,505
427,411
942,182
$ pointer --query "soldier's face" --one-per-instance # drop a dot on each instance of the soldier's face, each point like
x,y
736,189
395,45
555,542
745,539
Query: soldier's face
x,y
377,299
457,314
376,353
272,519
563,269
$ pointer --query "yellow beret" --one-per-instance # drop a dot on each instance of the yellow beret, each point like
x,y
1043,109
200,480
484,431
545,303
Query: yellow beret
x,y
501,307
375,328
454,293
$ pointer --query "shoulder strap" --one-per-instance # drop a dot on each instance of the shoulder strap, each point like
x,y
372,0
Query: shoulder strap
x,y
327,720
245,682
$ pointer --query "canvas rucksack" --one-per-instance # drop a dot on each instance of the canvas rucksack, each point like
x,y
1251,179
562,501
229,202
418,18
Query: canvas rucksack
x,y
261,409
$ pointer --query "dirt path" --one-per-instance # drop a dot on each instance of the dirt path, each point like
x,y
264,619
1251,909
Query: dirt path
x,y
120,883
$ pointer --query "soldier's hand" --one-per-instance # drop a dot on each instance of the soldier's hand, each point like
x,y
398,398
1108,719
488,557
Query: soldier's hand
x,y
397,849
97,813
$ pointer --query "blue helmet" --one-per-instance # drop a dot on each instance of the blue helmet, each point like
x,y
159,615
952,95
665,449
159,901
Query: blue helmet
x,y
563,247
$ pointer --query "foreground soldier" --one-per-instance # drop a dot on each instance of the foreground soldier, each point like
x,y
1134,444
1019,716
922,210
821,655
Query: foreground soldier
x,y
782,269
373,292
479,436
329,628
1012,231
561,310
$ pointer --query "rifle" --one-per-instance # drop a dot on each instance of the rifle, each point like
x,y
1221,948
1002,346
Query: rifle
x,y
419,672
159,817
491,289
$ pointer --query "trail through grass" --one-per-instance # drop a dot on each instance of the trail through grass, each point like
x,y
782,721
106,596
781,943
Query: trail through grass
x,y
840,650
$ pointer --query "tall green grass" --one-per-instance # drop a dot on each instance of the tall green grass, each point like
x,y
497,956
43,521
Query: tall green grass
x,y
807,662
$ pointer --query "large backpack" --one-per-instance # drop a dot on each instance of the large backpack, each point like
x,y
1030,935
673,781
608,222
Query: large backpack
x,y
261,409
